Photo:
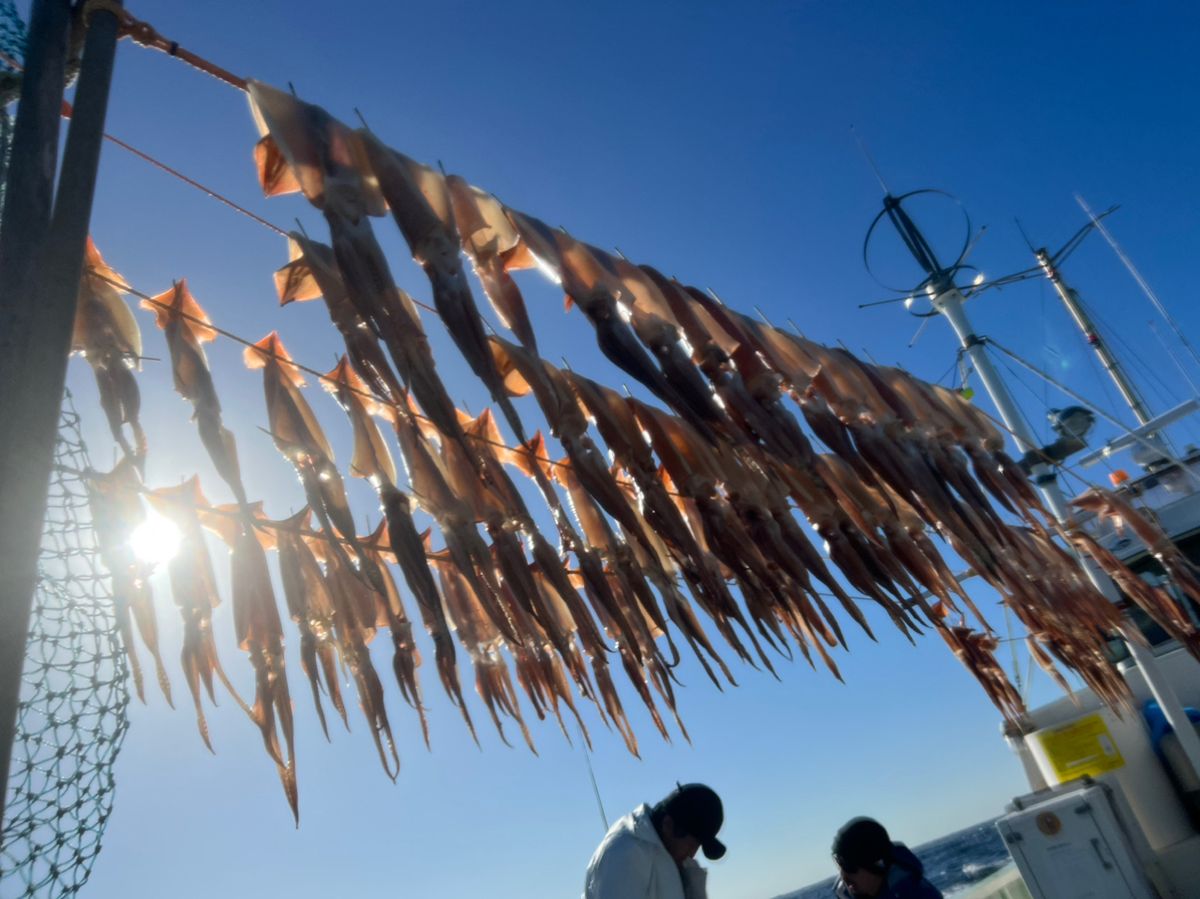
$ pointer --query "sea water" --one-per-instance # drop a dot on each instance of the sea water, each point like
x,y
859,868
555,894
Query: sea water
x,y
952,863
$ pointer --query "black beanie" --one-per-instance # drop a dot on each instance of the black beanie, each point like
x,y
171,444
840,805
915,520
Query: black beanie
x,y
862,843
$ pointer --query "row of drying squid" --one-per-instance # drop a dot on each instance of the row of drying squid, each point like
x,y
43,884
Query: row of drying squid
x,y
691,508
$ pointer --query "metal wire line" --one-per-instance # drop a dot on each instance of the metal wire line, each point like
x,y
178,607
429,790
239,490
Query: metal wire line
x,y
212,69
321,376
225,200
269,525
1129,432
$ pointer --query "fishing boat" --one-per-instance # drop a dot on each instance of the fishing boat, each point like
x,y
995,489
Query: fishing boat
x,y
1114,802
1024,741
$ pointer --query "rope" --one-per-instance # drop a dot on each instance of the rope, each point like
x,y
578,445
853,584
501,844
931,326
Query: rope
x,y
587,757
321,376
1080,399
198,62
67,112
1157,382
143,33
186,180
208,191
1021,381
232,514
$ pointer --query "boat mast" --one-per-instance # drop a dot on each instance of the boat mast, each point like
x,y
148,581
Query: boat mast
x,y
948,301
1112,365
1143,455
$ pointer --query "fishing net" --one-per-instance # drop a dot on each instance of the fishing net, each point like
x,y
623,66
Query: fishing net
x,y
12,50
12,31
72,717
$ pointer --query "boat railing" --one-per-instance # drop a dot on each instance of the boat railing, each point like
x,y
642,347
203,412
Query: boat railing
x,y
1169,495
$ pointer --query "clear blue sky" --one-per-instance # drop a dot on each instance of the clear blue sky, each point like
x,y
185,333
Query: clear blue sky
x,y
714,142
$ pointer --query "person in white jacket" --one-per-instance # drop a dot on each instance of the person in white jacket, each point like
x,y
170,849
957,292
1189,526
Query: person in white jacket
x,y
649,854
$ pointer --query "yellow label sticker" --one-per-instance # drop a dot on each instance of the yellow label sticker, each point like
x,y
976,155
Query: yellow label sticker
x,y
1083,747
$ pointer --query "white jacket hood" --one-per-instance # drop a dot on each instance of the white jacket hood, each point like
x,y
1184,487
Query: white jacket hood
x,y
631,863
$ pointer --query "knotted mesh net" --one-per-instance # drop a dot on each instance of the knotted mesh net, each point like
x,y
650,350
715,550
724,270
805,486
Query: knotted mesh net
x,y
12,51
12,31
72,717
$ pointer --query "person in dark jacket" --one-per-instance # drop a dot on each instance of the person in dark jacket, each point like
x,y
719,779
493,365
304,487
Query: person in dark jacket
x,y
871,866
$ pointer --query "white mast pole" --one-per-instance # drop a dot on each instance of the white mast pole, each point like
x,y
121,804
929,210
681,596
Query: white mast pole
x,y
949,302
1070,297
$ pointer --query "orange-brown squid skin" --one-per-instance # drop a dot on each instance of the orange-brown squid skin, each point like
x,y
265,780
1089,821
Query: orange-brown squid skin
x,y
372,461
659,516
588,284
299,438
527,459
1178,566
1046,663
694,473
328,162
977,653
863,412
1154,601
406,657
664,341
481,639
526,372
407,547
260,633
321,154
311,608
355,614
630,616
752,392
663,572
187,328
392,315
107,335
455,519
194,589
511,581
762,419
489,239
116,508
311,272
420,203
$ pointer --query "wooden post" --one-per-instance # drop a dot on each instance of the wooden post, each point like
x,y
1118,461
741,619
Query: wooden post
x,y
41,258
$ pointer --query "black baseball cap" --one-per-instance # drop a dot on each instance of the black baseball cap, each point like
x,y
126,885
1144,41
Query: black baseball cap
x,y
862,843
697,811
